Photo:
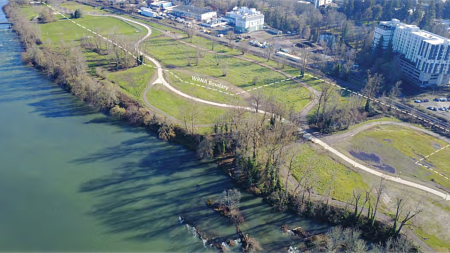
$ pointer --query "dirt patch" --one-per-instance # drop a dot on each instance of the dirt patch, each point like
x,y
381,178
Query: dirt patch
x,y
436,146
372,158
366,156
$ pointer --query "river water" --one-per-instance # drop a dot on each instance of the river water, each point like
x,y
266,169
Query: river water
x,y
71,179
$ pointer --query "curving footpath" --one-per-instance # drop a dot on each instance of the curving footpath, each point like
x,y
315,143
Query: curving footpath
x,y
374,172
308,136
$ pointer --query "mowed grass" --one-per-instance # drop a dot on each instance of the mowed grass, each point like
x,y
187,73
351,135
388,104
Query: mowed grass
x,y
200,92
291,94
31,11
107,26
84,8
327,174
133,80
241,73
400,147
175,105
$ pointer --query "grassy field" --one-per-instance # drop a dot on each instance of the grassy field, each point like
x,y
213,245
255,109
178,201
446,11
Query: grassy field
x,y
241,73
433,241
399,148
200,92
174,105
31,11
84,8
133,80
290,93
107,26
327,173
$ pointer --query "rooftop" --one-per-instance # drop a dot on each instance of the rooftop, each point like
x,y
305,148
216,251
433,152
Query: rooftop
x,y
160,2
192,9
244,12
428,36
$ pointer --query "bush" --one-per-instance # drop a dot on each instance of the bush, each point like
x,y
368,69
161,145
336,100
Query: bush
x,y
117,112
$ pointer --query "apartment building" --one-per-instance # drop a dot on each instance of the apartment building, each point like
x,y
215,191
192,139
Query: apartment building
x,y
424,56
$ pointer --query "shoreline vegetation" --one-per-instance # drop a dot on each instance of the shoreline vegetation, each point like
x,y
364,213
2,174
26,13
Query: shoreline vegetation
x,y
251,148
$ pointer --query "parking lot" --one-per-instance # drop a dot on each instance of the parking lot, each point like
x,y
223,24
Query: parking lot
x,y
440,108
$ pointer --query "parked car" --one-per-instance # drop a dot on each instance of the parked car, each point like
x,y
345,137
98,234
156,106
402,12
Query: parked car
x,y
426,100
417,101
436,99
443,99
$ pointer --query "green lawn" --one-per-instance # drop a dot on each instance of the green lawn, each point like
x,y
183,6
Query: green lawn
x,y
289,93
66,30
400,148
31,11
241,73
133,80
433,241
174,105
326,172
84,8
200,92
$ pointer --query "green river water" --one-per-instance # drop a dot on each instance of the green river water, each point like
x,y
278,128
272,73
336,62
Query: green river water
x,y
71,179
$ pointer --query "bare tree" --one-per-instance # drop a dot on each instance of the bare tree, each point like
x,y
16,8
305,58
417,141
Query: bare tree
x,y
305,56
394,92
213,41
244,47
268,50
225,67
190,115
379,191
259,97
402,216
372,87
255,80
217,58
191,32
188,56
230,37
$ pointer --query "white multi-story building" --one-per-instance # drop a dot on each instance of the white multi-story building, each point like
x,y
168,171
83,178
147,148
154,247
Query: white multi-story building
x,y
424,56
318,3
245,19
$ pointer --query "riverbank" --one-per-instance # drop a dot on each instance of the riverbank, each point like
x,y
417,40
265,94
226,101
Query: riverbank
x,y
133,112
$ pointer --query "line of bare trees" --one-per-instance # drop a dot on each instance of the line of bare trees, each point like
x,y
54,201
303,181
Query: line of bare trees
x,y
66,64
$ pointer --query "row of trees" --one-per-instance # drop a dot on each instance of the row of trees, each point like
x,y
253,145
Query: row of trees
x,y
262,146
67,65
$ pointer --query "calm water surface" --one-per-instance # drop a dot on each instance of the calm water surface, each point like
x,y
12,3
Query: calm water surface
x,y
73,180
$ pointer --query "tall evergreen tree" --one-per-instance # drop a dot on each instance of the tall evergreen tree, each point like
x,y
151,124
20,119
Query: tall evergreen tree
x,y
418,13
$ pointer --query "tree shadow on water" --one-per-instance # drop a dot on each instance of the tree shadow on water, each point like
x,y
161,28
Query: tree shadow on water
x,y
146,196
61,106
